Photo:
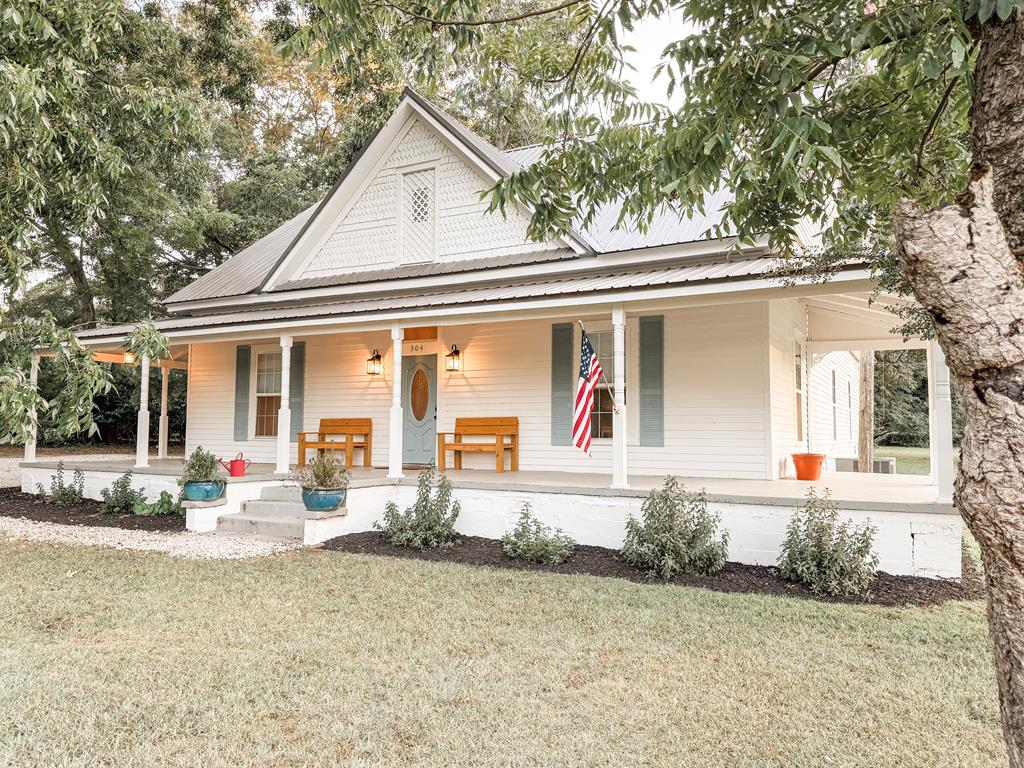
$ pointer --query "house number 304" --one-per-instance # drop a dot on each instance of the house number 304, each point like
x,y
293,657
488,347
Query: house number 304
x,y
417,347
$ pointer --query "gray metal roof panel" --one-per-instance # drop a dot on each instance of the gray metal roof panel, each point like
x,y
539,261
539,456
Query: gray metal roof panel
x,y
626,278
426,270
245,271
248,270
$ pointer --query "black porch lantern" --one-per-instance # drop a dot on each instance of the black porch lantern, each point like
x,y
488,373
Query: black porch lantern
x,y
374,367
453,360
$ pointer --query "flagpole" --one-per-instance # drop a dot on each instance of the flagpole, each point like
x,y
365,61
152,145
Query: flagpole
x,y
615,408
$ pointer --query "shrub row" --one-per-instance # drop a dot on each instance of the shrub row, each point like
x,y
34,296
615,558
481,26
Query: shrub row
x,y
676,534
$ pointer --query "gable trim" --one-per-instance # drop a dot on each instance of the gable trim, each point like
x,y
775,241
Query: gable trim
x,y
378,148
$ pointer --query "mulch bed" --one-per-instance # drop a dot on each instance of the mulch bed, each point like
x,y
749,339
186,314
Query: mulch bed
x,y
751,579
14,503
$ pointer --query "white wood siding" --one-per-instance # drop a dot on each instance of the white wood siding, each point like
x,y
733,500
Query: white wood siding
x,y
368,233
843,443
715,404
337,385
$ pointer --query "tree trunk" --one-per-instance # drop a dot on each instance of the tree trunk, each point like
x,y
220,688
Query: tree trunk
x,y
866,422
75,270
963,263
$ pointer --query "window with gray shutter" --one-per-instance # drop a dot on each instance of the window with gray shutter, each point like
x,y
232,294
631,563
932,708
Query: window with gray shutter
x,y
652,381
561,384
296,388
243,357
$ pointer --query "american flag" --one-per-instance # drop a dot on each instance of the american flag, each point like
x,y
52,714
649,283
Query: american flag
x,y
590,374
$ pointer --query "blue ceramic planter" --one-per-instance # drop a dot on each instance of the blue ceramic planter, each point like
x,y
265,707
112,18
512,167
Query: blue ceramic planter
x,y
204,491
320,500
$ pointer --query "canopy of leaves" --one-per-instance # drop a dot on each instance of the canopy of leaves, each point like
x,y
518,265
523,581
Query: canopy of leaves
x,y
822,112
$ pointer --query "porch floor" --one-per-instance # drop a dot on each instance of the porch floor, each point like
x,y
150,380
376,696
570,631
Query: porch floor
x,y
850,490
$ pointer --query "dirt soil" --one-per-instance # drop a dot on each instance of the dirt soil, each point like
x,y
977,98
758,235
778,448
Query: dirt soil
x,y
28,506
752,579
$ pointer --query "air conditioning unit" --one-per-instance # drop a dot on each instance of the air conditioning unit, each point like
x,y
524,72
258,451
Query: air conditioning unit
x,y
885,466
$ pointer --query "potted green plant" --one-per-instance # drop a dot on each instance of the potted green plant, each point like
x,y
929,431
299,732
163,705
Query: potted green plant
x,y
324,483
200,476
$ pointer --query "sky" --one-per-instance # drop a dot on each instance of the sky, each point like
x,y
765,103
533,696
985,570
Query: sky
x,y
649,38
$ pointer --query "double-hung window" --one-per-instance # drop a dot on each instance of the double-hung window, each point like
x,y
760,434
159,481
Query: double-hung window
x,y
601,416
268,393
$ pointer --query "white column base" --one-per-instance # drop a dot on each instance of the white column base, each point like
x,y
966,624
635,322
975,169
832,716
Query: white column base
x,y
941,423
395,427
284,425
619,477
161,442
142,440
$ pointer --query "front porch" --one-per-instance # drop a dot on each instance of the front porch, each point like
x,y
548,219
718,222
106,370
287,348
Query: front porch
x,y
916,534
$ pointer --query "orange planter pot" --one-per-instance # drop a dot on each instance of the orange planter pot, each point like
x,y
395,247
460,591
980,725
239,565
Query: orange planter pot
x,y
808,465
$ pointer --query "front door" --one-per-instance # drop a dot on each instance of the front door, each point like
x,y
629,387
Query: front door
x,y
419,409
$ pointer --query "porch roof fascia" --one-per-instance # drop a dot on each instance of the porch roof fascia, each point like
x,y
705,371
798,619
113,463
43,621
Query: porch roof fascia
x,y
757,288
697,250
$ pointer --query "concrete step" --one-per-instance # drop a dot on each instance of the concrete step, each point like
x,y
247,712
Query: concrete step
x,y
274,508
282,493
296,509
266,526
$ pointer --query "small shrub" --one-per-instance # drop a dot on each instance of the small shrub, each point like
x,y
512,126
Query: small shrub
x,y
120,497
200,467
428,523
63,494
325,472
830,556
165,505
532,540
678,534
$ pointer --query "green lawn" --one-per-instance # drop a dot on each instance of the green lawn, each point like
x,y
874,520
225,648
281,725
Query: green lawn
x,y
316,658
909,461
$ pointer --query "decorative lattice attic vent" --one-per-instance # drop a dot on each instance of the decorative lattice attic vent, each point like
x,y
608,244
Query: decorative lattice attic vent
x,y
418,211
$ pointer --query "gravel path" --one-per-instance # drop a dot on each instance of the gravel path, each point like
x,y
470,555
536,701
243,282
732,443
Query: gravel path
x,y
202,546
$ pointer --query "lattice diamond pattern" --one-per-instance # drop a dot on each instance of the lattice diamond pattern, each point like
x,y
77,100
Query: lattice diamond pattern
x,y
418,216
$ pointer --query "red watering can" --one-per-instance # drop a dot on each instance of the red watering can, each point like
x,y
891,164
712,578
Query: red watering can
x,y
236,467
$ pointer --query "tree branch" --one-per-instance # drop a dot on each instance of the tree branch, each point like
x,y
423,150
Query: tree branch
x,y
936,115
482,22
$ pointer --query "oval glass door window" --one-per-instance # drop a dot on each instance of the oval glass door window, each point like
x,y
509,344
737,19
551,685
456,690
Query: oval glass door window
x,y
419,394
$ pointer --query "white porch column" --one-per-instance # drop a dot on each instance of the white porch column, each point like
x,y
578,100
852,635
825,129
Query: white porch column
x,y
940,421
395,422
620,475
161,441
33,431
284,413
142,430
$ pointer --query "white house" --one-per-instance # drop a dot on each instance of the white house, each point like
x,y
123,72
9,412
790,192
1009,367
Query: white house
x,y
356,308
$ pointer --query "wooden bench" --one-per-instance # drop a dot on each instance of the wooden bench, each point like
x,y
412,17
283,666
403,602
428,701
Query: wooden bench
x,y
357,433
504,430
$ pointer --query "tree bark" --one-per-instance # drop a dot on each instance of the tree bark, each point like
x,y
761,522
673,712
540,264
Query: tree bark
x,y
75,270
866,421
963,263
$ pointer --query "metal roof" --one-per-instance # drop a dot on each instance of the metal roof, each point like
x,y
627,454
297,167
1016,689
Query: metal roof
x,y
247,271
627,277
427,270
244,272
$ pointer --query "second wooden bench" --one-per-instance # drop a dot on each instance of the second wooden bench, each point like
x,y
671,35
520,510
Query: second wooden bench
x,y
503,430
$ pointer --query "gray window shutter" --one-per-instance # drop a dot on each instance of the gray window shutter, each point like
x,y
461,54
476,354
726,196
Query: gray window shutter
x,y
297,386
561,384
652,380
243,358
